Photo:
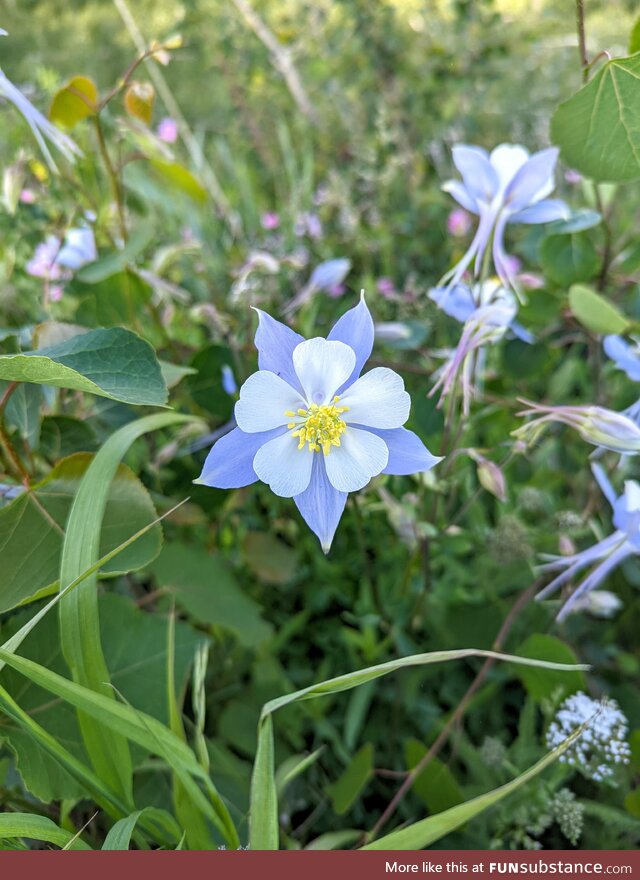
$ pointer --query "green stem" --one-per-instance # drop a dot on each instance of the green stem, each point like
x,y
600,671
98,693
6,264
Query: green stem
x,y
113,177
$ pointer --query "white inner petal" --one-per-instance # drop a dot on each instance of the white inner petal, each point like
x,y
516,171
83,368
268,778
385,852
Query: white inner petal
x,y
377,400
264,399
322,366
507,159
284,467
360,456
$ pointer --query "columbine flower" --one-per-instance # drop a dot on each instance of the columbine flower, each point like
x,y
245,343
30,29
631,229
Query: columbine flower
x,y
595,424
42,129
507,186
311,427
488,312
607,554
79,248
601,746
461,301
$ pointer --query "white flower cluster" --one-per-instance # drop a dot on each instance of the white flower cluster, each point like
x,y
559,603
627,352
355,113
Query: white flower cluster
x,y
601,746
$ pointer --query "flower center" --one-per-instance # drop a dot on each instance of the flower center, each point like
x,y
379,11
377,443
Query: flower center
x,y
319,426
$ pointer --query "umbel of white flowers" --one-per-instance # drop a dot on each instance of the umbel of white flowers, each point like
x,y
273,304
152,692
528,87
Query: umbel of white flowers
x,y
602,746
43,131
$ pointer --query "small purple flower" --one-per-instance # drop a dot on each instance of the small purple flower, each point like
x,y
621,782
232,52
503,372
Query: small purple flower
x,y
43,263
308,398
167,130
459,223
506,186
336,291
27,197
608,553
308,223
572,176
270,220
386,288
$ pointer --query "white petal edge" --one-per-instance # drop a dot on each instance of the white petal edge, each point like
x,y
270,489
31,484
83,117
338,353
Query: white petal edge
x,y
285,468
360,456
264,399
377,400
322,366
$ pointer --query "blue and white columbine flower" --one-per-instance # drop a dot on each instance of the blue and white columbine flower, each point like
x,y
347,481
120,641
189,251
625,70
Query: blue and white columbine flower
x,y
43,130
311,427
506,186
595,424
607,554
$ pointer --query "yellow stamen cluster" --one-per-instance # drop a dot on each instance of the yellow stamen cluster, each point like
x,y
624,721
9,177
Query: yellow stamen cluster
x,y
321,426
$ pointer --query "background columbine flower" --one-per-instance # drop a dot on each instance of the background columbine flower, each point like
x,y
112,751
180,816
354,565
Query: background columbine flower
x,y
601,746
461,301
607,554
485,323
311,427
595,424
506,186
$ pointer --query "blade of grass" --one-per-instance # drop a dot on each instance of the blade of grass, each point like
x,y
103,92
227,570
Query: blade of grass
x,y
79,619
33,827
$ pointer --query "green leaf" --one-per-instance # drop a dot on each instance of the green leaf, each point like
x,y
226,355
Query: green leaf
x,y
114,363
117,261
293,767
345,791
180,178
541,683
61,436
335,840
23,412
598,128
32,827
567,259
32,529
269,558
436,785
76,100
263,816
119,299
427,831
594,312
204,586
119,835
634,38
